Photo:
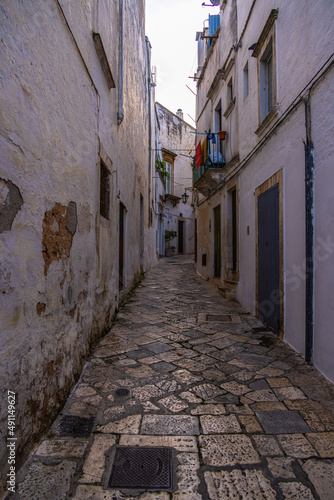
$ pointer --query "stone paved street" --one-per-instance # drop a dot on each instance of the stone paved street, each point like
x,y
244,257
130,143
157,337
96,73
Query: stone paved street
x,y
244,416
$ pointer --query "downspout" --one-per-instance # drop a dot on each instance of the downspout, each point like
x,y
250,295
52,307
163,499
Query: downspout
x,y
309,233
148,54
120,113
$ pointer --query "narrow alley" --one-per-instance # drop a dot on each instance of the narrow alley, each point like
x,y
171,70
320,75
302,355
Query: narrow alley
x,y
230,410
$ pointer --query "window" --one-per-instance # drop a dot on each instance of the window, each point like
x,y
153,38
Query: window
x,y
232,232
104,191
218,123
266,81
265,52
168,179
168,158
229,92
246,80
230,100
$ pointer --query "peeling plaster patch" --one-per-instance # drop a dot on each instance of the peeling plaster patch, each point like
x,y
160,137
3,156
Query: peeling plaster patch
x,y
40,308
59,226
5,279
11,202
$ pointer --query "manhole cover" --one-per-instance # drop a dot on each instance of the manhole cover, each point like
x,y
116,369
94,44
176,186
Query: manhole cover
x,y
224,318
120,393
71,425
142,468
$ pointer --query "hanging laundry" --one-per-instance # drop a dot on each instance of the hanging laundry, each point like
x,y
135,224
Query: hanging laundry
x,y
222,135
198,155
204,151
211,137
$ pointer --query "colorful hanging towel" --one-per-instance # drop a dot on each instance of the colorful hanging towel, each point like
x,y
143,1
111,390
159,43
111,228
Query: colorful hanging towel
x,y
198,155
204,151
211,137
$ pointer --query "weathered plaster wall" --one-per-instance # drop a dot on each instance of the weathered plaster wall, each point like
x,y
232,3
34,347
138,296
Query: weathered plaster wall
x,y
59,256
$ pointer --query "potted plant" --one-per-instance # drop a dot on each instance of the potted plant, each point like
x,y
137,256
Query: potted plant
x,y
169,235
161,168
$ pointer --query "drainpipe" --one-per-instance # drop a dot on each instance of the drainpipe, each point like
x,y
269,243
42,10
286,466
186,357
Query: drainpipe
x,y
148,54
120,113
309,230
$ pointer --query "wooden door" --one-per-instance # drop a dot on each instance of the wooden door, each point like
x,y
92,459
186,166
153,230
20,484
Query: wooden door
x,y
268,258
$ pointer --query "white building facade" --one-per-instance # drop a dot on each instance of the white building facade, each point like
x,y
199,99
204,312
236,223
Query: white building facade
x,y
176,211
265,215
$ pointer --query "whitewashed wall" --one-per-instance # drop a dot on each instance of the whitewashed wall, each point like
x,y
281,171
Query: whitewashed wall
x,y
297,27
59,257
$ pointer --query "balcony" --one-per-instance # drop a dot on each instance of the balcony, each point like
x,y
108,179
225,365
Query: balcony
x,y
208,175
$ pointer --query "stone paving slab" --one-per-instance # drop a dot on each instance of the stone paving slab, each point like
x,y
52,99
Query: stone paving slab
x,y
228,450
282,422
47,481
244,417
62,448
170,425
321,474
247,484
94,465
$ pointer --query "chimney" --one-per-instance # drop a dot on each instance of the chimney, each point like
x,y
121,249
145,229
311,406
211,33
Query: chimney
x,y
179,113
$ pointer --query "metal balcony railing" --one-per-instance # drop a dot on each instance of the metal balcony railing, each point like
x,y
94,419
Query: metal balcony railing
x,y
213,159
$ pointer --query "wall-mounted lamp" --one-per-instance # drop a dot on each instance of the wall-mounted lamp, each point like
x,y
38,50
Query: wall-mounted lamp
x,y
185,197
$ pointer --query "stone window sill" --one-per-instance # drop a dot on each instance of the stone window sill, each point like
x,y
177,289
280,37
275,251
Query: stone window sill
x,y
229,108
273,113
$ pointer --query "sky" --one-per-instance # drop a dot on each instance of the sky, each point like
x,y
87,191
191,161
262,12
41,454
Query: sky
x,y
171,27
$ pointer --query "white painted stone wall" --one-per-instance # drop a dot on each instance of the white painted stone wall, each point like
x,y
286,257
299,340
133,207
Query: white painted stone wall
x,y
59,256
177,136
297,27
321,109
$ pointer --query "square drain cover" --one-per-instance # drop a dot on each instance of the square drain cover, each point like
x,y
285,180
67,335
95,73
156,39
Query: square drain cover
x,y
224,318
71,425
136,467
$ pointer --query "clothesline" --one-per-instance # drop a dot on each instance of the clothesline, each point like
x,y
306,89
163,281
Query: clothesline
x,y
204,133
209,133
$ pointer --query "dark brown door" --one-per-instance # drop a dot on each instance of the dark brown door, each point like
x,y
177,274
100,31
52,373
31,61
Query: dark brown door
x,y
268,258
121,246
141,234
181,236
195,240
217,241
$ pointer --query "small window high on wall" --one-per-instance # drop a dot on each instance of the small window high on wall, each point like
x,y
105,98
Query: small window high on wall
x,y
168,179
245,81
266,81
104,191
265,52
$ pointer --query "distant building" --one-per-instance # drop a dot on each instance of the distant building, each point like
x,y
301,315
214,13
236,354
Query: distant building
x,y
175,150
76,213
266,211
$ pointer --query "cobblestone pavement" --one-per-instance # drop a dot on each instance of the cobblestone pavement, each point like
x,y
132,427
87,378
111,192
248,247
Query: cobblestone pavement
x,y
244,417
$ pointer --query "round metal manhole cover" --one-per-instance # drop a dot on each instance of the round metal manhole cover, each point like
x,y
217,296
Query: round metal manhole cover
x,y
122,392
